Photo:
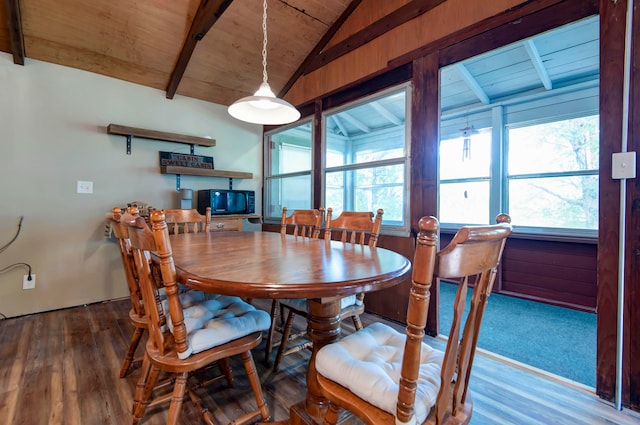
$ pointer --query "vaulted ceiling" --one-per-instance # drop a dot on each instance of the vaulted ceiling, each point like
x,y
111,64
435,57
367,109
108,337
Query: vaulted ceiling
x,y
209,49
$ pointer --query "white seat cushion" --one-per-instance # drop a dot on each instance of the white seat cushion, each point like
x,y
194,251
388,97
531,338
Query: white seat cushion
x,y
368,363
212,320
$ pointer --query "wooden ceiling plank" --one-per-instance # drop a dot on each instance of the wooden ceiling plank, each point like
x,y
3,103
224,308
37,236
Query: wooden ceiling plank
x,y
400,16
208,13
15,31
321,44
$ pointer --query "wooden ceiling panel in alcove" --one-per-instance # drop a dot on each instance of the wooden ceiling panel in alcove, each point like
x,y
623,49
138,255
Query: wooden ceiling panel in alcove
x,y
229,58
122,39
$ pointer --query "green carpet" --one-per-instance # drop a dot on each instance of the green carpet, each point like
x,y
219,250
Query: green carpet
x,y
557,340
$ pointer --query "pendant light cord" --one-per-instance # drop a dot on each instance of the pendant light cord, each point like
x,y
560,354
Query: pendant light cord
x,y
264,42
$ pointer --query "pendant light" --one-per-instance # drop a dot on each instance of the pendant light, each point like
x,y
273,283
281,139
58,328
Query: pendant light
x,y
264,107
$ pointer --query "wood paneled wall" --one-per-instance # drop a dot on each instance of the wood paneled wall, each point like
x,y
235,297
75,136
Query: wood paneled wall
x,y
559,273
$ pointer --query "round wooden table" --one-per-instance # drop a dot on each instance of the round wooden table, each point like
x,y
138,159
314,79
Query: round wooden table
x,y
269,265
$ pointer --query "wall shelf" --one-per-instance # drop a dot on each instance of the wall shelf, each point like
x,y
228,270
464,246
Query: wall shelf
x,y
204,172
130,132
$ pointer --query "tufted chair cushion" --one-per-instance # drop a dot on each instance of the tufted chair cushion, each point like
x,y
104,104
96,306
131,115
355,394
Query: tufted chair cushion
x,y
212,320
368,363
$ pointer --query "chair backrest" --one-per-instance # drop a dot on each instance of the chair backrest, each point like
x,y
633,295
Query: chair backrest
x,y
474,252
187,220
121,232
354,227
145,241
305,223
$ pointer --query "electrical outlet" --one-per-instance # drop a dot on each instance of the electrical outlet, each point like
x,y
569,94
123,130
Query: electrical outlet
x,y
28,284
84,187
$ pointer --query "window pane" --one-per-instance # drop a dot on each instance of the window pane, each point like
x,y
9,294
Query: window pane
x,y
373,188
334,192
466,203
369,138
291,150
291,192
466,160
559,202
371,131
568,145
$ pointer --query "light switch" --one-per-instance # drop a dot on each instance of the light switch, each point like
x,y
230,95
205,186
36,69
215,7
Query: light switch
x,y
623,165
85,187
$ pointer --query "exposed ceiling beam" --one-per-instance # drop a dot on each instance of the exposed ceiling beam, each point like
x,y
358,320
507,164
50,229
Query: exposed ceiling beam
x,y
409,11
338,124
472,83
207,15
15,30
362,126
385,113
318,48
534,55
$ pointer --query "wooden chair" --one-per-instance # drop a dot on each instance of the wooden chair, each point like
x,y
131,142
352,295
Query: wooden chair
x,y
352,227
136,314
187,220
387,377
358,228
306,224
187,339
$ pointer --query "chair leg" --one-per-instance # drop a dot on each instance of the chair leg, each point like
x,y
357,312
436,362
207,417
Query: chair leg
x,y
147,382
142,381
133,344
285,337
176,398
357,323
331,417
254,380
225,368
272,331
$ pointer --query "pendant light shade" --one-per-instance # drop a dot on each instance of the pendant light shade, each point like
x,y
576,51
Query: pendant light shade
x,y
264,107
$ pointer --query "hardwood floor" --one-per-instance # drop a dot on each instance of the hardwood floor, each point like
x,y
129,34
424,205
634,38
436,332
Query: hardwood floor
x,y
62,367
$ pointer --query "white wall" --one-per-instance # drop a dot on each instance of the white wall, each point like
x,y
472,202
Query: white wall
x,y
53,123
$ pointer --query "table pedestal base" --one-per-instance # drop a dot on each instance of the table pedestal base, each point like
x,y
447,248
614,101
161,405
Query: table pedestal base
x,y
298,415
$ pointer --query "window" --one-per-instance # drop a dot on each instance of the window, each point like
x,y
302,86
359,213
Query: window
x,y
366,158
552,174
465,178
519,134
289,160
546,177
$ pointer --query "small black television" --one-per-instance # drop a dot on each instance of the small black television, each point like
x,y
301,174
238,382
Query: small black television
x,y
226,201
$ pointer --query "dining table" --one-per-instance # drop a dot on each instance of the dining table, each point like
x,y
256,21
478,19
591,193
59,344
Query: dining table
x,y
275,266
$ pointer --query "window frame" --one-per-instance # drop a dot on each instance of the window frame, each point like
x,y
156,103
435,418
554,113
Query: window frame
x,y
389,229
270,177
